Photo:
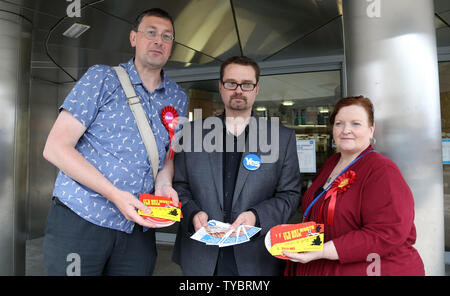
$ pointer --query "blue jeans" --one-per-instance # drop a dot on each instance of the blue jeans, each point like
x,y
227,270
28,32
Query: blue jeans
x,y
74,246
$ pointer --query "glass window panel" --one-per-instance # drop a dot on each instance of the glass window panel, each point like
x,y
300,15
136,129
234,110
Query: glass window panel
x,y
444,85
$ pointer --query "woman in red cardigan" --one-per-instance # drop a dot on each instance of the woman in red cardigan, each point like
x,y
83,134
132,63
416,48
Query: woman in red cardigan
x,y
363,201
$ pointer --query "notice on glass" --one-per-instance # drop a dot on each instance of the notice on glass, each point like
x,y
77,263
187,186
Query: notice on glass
x,y
446,151
306,151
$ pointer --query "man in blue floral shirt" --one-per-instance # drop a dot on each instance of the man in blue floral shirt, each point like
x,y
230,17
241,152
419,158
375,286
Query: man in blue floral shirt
x,y
104,165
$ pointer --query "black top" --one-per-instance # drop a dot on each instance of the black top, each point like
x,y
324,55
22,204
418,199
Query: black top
x,y
231,162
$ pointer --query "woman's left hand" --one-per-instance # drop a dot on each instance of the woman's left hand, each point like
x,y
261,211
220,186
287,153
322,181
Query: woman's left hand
x,y
304,257
328,252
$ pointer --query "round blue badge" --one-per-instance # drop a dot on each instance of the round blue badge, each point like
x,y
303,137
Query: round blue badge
x,y
252,162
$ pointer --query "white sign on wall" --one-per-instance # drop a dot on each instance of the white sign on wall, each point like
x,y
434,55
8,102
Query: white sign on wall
x,y
306,151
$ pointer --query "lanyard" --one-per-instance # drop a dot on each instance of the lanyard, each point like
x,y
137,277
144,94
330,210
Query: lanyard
x,y
329,185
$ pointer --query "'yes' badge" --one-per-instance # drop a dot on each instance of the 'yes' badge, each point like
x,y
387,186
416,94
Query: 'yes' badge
x,y
252,162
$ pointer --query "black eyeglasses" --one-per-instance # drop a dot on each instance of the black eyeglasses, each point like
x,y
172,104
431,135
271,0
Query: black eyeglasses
x,y
234,85
152,35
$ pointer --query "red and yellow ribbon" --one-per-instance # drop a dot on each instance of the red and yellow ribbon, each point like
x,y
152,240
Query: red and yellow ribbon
x,y
341,184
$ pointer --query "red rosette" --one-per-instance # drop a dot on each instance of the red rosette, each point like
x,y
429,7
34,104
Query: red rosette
x,y
169,117
341,184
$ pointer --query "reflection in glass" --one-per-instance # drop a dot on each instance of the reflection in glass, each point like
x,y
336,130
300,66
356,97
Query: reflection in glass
x,y
444,86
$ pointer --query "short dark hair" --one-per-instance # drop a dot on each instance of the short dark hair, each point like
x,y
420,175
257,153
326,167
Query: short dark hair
x,y
153,12
349,101
240,60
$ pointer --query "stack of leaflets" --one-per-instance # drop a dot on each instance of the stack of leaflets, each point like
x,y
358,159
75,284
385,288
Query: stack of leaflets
x,y
302,237
220,234
164,213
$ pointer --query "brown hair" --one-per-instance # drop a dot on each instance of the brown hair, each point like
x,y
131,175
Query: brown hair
x,y
360,101
153,12
240,60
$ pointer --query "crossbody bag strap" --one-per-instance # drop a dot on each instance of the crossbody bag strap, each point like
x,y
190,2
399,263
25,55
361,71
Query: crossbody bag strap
x,y
144,127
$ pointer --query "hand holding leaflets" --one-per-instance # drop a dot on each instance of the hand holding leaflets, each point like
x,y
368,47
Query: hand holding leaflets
x,y
223,235
164,212
302,237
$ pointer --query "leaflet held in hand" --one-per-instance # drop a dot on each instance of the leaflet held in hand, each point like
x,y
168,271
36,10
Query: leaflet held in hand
x,y
162,207
221,234
302,237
